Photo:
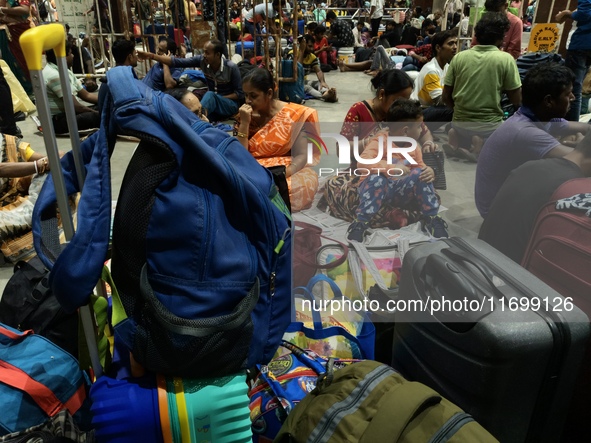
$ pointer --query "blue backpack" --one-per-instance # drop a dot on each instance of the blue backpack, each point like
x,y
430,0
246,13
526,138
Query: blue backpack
x,y
201,242
292,91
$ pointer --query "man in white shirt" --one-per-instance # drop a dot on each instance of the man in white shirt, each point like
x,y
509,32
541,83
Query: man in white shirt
x,y
357,34
428,86
465,22
376,13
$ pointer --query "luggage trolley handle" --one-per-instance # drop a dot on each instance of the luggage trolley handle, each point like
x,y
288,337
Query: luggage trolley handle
x,y
33,42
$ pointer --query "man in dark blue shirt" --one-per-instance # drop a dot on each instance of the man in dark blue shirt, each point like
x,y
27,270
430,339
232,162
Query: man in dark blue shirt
x,y
160,76
223,79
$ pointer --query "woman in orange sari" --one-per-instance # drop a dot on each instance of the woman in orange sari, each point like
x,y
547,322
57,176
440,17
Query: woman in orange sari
x,y
274,133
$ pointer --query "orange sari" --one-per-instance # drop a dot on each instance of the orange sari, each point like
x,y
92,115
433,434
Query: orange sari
x,y
271,146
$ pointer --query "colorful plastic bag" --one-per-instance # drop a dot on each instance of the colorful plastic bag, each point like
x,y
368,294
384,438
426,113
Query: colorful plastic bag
x,y
282,384
339,333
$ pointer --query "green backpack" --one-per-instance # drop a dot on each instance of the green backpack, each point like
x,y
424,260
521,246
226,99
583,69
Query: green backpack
x,y
370,402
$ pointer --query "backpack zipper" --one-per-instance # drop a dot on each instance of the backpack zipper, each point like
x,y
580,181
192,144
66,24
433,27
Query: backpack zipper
x,y
377,375
238,184
451,426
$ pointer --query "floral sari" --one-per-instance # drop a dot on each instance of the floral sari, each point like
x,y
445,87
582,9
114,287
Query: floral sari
x,y
340,193
271,146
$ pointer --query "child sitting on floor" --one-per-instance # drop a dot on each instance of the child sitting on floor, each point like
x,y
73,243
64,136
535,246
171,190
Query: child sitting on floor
x,y
383,183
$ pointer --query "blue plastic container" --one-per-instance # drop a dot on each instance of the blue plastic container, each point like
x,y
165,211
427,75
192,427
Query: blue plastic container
x,y
125,411
248,49
171,410
209,410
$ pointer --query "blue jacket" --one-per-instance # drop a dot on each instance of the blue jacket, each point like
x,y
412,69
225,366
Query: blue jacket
x,y
581,39
155,77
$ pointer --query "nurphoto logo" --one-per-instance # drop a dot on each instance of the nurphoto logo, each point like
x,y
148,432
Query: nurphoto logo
x,y
392,146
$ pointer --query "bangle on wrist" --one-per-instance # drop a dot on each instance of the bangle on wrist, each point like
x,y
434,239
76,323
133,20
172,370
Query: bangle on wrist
x,y
36,168
240,134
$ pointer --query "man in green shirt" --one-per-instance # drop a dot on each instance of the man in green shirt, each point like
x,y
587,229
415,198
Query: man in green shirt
x,y
474,82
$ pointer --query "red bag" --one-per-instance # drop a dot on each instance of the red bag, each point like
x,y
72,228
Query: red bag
x,y
559,250
559,254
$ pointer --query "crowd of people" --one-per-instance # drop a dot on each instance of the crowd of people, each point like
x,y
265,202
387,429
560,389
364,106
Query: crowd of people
x,y
419,88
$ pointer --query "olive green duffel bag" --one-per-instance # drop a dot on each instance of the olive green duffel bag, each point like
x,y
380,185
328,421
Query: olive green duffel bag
x,y
370,402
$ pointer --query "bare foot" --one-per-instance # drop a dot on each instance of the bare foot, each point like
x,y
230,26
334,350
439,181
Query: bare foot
x,y
342,66
372,73
477,143
453,138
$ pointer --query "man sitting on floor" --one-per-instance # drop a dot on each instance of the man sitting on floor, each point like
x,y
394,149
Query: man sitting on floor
x,y
223,79
160,76
510,221
340,32
124,53
428,86
87,118
529,133
473,85
316,88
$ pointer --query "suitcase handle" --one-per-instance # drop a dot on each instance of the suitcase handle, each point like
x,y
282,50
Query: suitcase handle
x,y
42,38
437,268
484,270
438,265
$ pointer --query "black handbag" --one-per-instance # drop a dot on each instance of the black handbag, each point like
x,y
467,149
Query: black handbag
x,y
435,160
28,303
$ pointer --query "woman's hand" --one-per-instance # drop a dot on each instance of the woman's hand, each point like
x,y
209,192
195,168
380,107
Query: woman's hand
x,y
427,175
245,114
429,146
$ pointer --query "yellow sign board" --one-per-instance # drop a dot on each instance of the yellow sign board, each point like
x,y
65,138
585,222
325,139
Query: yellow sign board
x,y
544,37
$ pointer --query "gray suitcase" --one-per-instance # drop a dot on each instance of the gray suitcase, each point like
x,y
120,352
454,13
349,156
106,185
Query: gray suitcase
x,y
510,360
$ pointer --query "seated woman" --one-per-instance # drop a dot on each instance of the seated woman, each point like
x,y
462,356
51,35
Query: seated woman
x,y
265,128
361,121
405,184
19,189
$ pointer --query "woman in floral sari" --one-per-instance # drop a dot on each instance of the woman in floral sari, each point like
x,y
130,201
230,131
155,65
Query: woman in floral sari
x,y
14,20
21,178
274,133
362,121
